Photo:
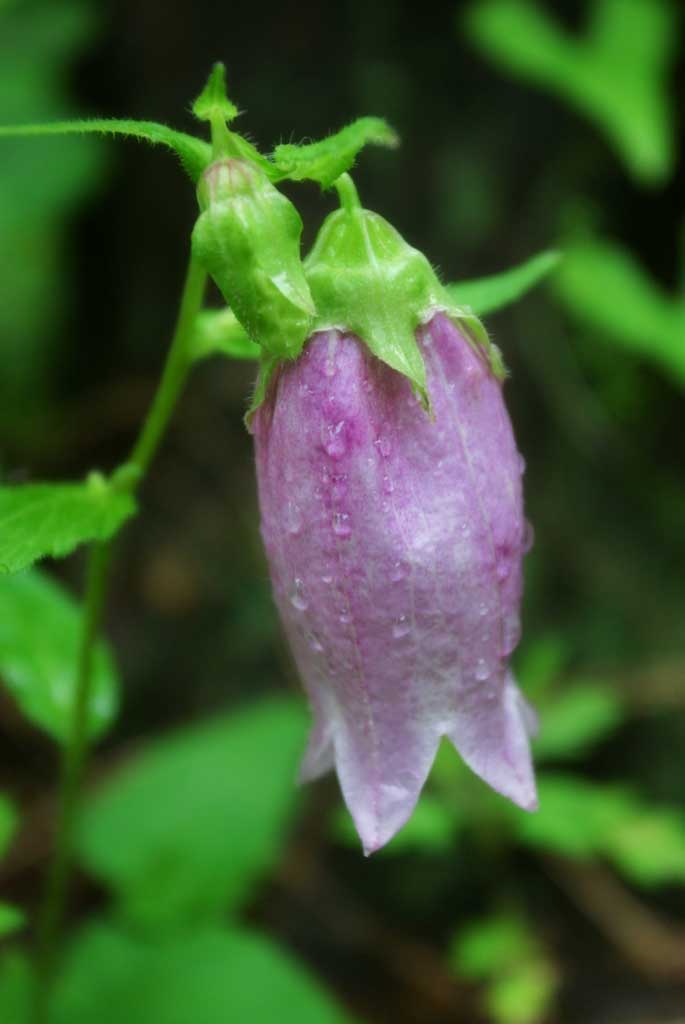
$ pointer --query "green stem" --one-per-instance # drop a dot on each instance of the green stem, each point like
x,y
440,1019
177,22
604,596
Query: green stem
x,y
75,751
347,193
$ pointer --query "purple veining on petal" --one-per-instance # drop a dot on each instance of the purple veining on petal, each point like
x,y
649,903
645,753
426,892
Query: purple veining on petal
x,y
395,542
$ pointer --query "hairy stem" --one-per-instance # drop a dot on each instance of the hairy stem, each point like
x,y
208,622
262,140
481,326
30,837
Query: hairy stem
x,y
75,751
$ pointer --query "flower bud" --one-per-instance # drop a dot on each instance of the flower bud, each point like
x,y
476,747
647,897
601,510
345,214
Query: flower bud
x,y
248,238
395,542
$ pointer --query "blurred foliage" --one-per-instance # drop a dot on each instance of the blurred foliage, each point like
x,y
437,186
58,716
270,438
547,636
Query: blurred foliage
x,y
185,831
603,285
41,184
617,74
503,952
11,918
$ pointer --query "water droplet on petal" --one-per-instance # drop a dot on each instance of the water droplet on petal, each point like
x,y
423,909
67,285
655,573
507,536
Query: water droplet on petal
x,y
327,579
503,571
335,442
341,524
528,537
522,464
314,642
293,518
388,485
482,609
345,617
482,671
384,446
398,572
298,598
401,627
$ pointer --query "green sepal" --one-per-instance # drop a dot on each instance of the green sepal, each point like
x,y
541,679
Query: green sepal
x,y
267,368
193,153
367,280
248,239
324,161
213,101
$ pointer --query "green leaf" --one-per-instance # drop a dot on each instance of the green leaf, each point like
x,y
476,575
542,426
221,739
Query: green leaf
x,y
16,988
37,520
649,848
8,822
540,663
575,816
326,160
607,290
431,829
503,952
487,294
207,975
40,634
213,101
575,719
194,154
11,920
616,74
186,830
218,332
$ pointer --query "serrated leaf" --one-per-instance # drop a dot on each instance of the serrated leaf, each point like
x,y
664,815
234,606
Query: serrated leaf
x,y
194,154
488,294
39,520
11,920
189,826
40,635
8,822
575,718
203,975
326,160
218,332
616,74
603,285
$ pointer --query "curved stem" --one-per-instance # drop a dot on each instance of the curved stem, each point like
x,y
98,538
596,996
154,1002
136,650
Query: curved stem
x,y
347,193
75,752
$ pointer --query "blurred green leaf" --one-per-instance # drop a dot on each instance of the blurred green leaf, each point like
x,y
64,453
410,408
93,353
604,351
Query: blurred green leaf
x,y
603,285
37,520
324,161
217,332
38,42
488,294
16,986
540,663
40,635
649,848
503,952
575,816
616,74
207,976
11,919
8,822
432,828
579,818
188,828
575,718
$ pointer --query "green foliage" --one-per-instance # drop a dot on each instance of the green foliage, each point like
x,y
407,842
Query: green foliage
x,y
616,74
16,986
607,290
39,520
189,826
213,101
503,952
218,332
579,818
327,159
39,40
10,917
209,975
40,634
579,715
488,294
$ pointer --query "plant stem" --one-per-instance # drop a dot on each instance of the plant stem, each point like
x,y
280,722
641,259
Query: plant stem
x,y
75,751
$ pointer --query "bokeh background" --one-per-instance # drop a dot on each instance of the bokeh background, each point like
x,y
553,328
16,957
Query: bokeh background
x,y
524,127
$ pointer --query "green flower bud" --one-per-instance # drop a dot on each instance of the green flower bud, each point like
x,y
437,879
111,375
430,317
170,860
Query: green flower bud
x,y
248,239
